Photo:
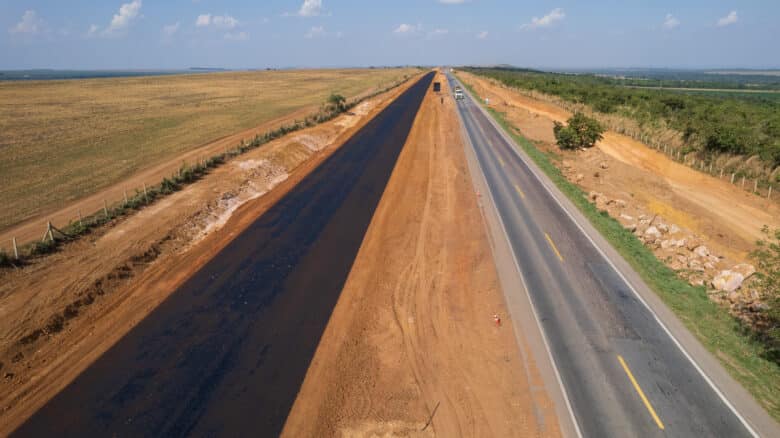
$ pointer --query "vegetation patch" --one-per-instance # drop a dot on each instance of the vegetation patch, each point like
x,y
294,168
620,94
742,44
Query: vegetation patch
x,y
711,123
744,355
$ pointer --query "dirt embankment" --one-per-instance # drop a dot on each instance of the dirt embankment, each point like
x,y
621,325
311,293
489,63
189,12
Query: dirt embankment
x,y
412,337
58,315
674,209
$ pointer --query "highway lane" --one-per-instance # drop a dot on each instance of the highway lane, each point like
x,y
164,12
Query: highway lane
x,y
226,354
621,373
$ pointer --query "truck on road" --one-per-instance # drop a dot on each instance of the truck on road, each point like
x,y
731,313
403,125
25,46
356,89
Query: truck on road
x,y
459,93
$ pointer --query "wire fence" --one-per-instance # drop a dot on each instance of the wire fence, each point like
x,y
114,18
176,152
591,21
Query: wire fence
x,y
761,187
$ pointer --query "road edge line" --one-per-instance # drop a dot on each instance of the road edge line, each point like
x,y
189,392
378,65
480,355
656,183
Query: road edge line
x,y
532,166
469,144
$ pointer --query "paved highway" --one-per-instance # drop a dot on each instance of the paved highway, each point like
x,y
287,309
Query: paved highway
x,y
225,355
622,374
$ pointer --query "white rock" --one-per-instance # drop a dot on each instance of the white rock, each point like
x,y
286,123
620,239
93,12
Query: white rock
x,y
579,177
621,203
674,229
744,269
652,231
662,227
626,217
728,281
666,244
701,251
604,165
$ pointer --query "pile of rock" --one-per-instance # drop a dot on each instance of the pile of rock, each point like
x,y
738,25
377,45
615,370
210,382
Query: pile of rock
x,y
685,253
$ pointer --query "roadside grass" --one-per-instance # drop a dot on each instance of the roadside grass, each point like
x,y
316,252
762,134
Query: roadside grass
x,y
63,140
723,335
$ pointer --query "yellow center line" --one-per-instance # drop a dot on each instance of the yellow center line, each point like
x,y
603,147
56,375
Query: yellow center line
x,y
641,393
501,161
552,245
519,192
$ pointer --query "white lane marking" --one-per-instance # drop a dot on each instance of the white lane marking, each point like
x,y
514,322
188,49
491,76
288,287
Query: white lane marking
x,y
707,379
466,135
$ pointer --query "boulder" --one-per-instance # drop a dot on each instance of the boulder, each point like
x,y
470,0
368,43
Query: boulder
x,y
604,165
695,265
744,269
666,244
626,217
662,227
674,229
701,251
652,231
621,203
579,177
728,281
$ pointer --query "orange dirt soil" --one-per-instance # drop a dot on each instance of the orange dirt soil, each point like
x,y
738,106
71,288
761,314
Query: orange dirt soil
x,y
63,311
730,219
412,335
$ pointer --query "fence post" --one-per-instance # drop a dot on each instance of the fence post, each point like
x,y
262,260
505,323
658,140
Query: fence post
x,y
755,186
105,208
769,195
146,197
732,177
80,223
721,173
125,197
743,182
16,250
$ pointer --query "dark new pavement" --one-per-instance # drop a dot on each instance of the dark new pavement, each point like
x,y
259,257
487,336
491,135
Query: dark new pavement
x,y
226,354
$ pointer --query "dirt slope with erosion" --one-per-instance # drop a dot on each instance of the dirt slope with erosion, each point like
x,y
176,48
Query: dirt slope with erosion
x,y
58,315
412,336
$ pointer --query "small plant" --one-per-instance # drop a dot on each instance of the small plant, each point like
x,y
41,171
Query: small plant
x,y
767,256
580,132
5,259
168,186
41,248
338,102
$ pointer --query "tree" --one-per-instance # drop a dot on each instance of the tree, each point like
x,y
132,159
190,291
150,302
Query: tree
x,y
338,102
579,132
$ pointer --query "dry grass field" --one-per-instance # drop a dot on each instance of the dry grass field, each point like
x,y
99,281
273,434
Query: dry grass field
x,y
63,140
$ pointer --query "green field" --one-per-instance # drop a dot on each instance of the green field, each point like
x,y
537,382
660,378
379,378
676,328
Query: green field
x,y
63,140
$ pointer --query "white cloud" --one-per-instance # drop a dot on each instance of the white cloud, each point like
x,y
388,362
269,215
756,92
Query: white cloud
x,y
93,30
731,18
482,35
546,21
127,13
406,29
171,29
217,21
203,20
310,8
30,24
237,36
670,22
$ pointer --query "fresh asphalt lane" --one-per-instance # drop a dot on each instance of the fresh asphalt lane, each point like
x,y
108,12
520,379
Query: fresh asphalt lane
x,y
226,354
621,373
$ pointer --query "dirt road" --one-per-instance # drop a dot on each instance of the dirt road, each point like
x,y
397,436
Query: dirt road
x,y
730,218
412,348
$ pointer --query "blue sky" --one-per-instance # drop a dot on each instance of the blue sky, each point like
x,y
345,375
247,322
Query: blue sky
x,y
120,34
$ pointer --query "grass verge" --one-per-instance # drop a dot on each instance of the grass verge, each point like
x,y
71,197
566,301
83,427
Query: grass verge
x,y
719,332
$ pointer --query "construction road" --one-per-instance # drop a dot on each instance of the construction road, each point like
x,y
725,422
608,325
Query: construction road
x,y
621,372
226,354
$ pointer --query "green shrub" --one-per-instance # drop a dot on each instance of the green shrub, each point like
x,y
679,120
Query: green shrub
x,y
580,132
768,263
